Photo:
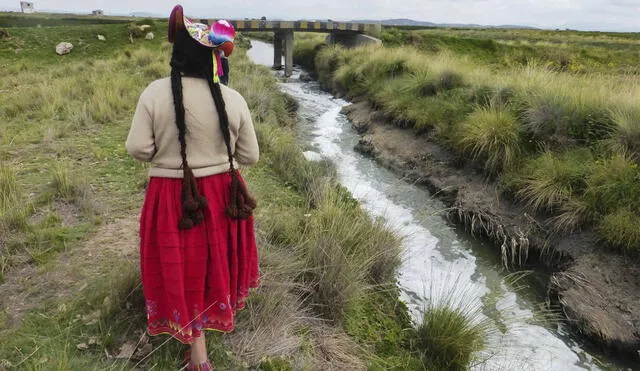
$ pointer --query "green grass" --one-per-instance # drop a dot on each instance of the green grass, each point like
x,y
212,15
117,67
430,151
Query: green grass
x,y
29,48
51,19
570,51
63,140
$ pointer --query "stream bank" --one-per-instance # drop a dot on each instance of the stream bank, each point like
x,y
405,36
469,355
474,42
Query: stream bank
x,y
596,290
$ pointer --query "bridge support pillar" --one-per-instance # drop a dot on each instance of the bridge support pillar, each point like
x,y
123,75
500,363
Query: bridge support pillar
x,y
277,51
288,53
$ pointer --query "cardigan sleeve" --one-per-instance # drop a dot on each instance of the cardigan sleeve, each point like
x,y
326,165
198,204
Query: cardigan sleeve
x,y
246,151
141,140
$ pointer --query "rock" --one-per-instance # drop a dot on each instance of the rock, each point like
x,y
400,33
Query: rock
x,y
126,351
101,38
144,27
82,346
360,127
149,36
305,77
64,48
365,146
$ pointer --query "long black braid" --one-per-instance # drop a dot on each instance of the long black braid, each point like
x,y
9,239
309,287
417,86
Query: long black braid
x,y
191,59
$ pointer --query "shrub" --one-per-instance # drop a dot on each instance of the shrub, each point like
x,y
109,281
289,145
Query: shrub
x,y
148,21
491,135
135,31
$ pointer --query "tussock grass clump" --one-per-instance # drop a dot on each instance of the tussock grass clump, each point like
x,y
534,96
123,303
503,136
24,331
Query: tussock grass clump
x,y
13,214
327,62
66,185
69,187
10,192
614,181
307,46
491,135
626,133
545,119
448,338
548,181
345,254
452,331
620,229
448,80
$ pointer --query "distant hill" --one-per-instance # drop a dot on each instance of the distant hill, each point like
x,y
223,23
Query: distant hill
x,y
414,23
146,15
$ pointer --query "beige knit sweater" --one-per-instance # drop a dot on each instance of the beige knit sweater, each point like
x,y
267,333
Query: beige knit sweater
x,y
153,136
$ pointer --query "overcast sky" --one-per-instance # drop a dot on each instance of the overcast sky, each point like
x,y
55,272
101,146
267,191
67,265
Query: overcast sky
x,y
605,15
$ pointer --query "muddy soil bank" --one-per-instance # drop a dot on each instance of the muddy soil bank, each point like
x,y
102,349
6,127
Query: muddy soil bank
x,y
598,291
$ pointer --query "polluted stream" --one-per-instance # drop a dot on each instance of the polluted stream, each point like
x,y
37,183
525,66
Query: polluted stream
x,y
441,264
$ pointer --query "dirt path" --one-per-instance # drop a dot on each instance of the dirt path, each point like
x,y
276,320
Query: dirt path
x,y
28,287
598,291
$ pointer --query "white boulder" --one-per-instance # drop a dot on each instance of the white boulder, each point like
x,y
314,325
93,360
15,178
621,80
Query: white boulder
x,y
101,38
149,36
64,48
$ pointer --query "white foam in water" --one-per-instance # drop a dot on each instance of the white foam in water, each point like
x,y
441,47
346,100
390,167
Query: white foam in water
x,y
425,271
312,156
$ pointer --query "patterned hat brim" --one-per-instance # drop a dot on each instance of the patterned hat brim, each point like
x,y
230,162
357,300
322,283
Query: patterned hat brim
x,y
218,36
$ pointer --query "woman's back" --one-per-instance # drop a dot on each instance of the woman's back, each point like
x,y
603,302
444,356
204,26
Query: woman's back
x,y
154,134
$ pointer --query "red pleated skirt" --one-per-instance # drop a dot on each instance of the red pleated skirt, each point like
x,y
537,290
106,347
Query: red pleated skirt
x,y
194,280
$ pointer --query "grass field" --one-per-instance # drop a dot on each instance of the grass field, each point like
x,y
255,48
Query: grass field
x,y
9,19
579,52
563,141
70,296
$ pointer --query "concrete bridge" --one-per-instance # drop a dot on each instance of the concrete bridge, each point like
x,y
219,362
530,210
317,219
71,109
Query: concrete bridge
x,y
345,33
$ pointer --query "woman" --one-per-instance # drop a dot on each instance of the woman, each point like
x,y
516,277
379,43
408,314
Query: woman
x,y
198,252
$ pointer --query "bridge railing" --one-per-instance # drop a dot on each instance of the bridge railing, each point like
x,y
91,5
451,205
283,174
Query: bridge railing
x,y
304,26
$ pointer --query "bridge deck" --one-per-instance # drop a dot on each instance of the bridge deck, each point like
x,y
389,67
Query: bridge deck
x,y
302,26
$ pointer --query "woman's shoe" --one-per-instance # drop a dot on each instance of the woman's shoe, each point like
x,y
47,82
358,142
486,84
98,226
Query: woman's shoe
x,y
188,366
204,366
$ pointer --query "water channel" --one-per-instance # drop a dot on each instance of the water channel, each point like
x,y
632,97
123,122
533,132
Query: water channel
x,y
441,263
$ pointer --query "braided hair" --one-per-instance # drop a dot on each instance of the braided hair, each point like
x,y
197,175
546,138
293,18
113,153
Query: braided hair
x,y
189,58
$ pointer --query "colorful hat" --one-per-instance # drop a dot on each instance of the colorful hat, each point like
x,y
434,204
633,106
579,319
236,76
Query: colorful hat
x,y
218,36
